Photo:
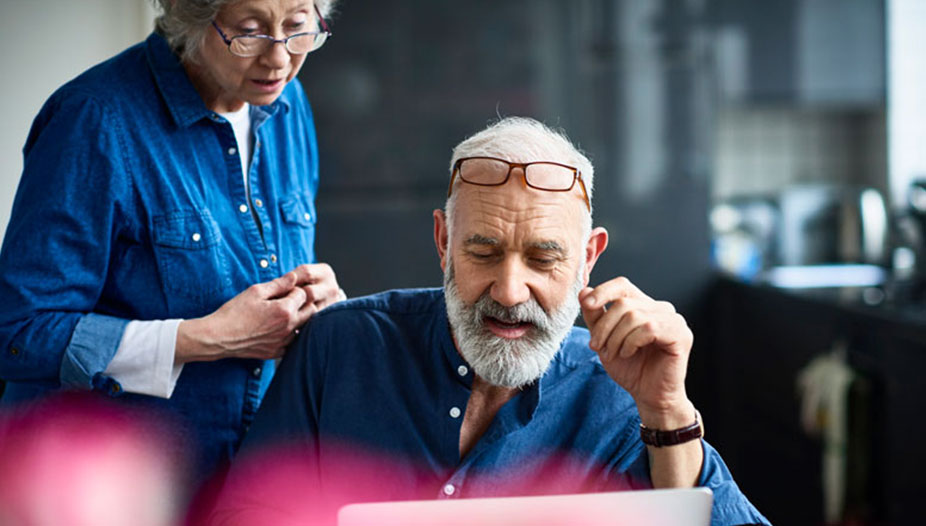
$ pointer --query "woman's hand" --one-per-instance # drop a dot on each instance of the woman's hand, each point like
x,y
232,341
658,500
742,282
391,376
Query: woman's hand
x,y
260,321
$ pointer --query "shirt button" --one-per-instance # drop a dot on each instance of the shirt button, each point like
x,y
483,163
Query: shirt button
x,y
462,370
454,412
273,258
256,372
306,216
264,263
449,489
232,151
258,203
196,236
242,208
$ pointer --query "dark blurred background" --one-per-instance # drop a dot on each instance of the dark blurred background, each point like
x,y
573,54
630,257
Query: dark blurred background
x,y
402,82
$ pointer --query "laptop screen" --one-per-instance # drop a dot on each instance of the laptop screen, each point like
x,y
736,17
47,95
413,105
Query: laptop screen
x,y
664,507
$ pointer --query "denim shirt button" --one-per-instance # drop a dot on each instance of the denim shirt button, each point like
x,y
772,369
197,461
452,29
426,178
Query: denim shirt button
x,y
243,208
264,263
256,372
273,258
258,203
462,370
454,412
232,151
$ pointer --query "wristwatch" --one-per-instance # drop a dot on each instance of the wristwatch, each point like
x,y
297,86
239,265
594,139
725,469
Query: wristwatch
x,y
660,438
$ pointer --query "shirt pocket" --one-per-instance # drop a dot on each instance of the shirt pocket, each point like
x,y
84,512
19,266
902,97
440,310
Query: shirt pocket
x,y
298,214
191,259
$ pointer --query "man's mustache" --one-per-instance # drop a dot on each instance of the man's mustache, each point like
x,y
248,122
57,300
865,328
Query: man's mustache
x,y
528,312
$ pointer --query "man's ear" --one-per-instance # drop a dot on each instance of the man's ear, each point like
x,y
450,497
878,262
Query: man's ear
x,y
597,243
440,237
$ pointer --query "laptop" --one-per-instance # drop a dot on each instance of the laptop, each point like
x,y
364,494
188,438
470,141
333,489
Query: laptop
x,y
658,507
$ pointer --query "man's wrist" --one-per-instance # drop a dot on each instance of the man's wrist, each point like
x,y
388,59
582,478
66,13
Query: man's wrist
x,y
671,437
673,417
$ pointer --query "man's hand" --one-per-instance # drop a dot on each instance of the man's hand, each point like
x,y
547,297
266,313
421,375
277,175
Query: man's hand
x,y
644,346
260,321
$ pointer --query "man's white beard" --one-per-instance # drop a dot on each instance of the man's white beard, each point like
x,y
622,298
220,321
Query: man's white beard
x,y
501,361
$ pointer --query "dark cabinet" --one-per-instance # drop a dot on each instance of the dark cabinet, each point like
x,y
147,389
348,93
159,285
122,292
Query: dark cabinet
x,y
754,342
829,52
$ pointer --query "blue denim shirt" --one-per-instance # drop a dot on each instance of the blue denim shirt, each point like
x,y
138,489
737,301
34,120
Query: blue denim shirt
x,y
132,206
382,374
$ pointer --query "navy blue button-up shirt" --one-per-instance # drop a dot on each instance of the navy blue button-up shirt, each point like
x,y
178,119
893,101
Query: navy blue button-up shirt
x,y
132,206
381,375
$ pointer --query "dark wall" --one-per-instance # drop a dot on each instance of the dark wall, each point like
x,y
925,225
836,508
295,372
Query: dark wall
x,y
401,82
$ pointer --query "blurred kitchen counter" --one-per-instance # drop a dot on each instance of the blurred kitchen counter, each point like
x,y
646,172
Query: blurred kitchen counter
x,y
751,343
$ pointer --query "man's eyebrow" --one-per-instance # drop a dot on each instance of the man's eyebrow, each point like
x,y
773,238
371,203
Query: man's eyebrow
x,y
550,246
478,239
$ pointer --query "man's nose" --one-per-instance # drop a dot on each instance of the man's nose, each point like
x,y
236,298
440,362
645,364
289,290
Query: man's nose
x,y
510,287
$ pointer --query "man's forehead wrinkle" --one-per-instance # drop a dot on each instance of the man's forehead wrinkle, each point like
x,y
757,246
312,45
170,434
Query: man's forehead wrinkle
x,y
498,208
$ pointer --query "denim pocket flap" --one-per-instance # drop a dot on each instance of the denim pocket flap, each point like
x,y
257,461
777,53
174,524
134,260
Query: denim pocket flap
x,y
189,229
298,209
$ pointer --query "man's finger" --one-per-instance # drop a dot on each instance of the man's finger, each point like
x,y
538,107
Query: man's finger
x,y
610,291
590,315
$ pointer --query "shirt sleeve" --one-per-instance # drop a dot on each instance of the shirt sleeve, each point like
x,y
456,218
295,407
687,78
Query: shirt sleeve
x,y
275,475
57,249
731,507
144,361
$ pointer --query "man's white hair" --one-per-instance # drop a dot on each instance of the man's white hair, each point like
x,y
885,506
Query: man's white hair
x,y
522,139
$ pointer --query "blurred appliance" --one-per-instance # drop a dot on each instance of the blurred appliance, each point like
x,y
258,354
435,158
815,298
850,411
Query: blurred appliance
x,y
743,235
831,224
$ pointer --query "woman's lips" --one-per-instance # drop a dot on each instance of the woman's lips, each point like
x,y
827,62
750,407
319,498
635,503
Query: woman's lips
x,y
506,330
267,85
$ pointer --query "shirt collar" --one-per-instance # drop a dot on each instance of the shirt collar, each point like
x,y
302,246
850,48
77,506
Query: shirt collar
x,y
183,101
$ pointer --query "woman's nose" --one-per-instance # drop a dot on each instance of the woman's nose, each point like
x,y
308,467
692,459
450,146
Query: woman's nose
x,y
276,56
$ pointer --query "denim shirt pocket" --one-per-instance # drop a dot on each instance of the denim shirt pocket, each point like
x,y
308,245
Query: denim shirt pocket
x,y
298,213
191,259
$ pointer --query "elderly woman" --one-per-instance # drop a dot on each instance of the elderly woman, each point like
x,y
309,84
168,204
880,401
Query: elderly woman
x,y
161,247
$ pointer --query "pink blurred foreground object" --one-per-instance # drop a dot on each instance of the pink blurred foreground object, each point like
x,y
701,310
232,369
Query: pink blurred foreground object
x,y
76,460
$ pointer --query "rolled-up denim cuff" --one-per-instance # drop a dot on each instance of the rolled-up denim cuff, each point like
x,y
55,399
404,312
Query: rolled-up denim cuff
x,y
93,345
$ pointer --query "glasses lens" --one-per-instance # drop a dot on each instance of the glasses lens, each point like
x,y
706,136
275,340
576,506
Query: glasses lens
x,y
246,46
549,176
483,171
304,43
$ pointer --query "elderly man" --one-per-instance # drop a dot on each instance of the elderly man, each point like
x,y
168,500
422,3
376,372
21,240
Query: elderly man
x,y
485,387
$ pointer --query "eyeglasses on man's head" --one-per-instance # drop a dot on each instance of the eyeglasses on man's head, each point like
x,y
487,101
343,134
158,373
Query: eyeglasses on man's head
x,y
542,175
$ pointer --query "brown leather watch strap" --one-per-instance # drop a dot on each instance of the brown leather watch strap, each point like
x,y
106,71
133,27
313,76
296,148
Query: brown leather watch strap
x,y
659,438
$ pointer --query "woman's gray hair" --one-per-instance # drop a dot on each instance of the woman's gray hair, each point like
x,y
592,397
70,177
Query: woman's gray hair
x,y
522,139
184,22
